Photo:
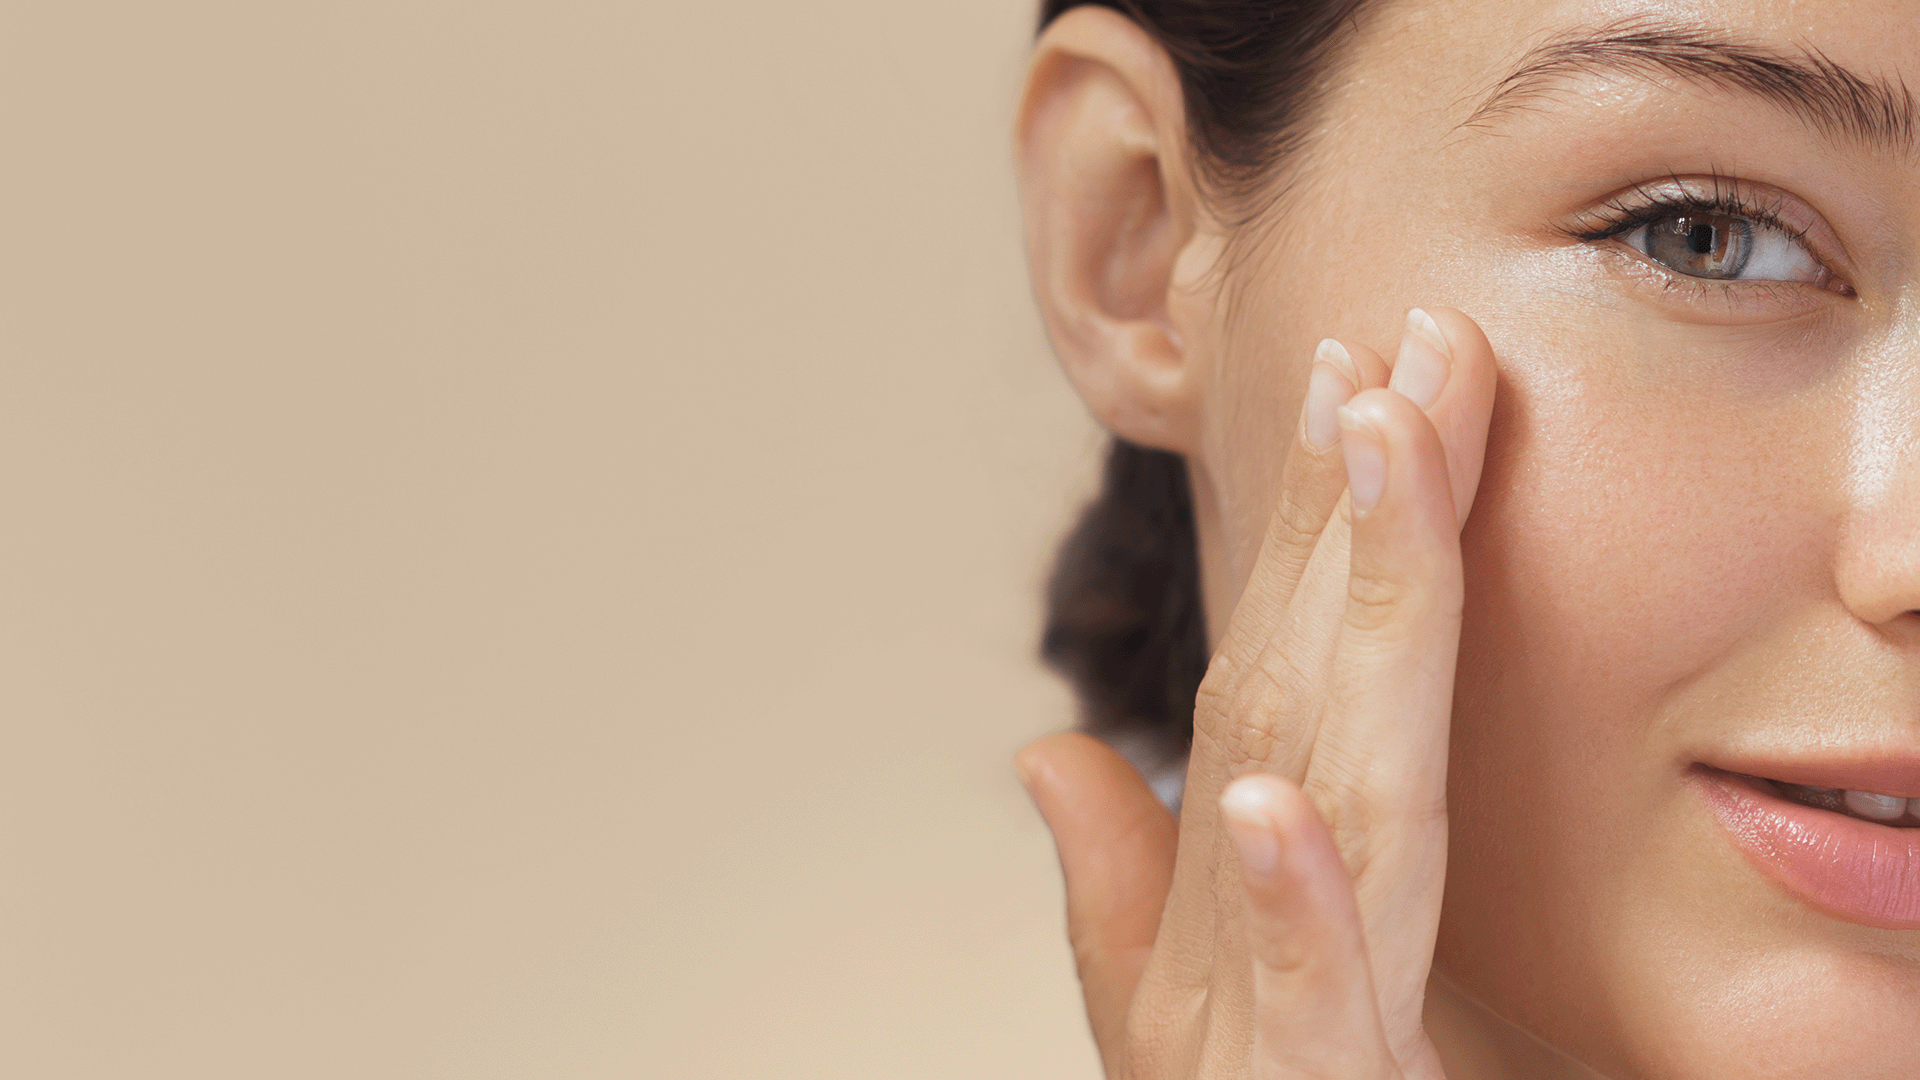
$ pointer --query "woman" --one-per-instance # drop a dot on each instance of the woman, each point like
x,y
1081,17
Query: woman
x,y
1614,779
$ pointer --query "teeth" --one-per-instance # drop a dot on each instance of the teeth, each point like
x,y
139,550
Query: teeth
x,y
1877,807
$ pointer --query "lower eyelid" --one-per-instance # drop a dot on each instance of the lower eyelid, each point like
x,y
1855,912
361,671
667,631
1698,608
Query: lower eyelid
x,y
1773,284
1634,241
1751,296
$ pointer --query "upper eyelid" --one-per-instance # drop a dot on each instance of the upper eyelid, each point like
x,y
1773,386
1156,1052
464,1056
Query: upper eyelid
x,y
1672,193
1656,211
1623,212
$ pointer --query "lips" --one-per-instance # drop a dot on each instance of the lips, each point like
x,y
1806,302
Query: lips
x,y
1857,870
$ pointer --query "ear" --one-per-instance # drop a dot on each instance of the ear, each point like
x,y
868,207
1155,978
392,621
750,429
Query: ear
x,y
1111,214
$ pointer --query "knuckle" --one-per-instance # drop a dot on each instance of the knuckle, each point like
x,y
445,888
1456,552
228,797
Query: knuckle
x,y
1290,954
1354,823
1370,818
1374,597
1350,805
1296,523
1380,601
1262,722
1216,686
1257,745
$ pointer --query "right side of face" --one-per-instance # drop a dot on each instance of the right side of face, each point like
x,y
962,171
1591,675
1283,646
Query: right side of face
x,y
1696,548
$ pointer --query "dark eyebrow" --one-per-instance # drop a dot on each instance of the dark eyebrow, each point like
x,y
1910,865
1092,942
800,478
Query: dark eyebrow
x,y
1803,82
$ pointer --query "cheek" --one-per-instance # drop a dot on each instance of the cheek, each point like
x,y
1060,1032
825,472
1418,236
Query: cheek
x,y
1622,545
1625,547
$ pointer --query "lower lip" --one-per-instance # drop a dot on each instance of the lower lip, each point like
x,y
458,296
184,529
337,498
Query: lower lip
x,y
1850,869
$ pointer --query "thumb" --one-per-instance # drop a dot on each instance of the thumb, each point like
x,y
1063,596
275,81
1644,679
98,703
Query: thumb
x,y
1315,1011
1116,845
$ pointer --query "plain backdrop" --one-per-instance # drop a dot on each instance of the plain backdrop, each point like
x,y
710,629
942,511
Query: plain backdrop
x,y
523,525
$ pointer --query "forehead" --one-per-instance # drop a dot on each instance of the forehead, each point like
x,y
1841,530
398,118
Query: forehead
x,y
1460,53
1877,28
1426,106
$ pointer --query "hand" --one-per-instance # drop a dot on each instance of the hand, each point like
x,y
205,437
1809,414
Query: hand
x,y
1289,931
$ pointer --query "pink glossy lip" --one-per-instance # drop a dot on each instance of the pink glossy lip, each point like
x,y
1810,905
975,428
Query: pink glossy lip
x,y
1851,869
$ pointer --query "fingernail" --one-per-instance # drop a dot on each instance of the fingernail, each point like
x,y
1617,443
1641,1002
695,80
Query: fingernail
x,y
1327,390
1332,352
1366,454
1420,372
1248,809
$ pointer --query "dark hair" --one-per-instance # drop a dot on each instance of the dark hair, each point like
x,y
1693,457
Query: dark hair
x,y
1125,623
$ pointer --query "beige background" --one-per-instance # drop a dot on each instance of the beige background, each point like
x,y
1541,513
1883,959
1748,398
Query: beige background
x,y
522,532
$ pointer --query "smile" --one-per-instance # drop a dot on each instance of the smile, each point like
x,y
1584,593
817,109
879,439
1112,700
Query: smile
x,y
1851,853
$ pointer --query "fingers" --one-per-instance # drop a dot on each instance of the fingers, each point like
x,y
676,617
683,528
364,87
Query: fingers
x,y
1391,692
1315,1013
1436,413
1259,704
1336,674
1116,847
1285,626
1303,529
1379,762
1445,365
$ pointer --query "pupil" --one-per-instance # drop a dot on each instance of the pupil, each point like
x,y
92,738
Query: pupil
x,y
1700,239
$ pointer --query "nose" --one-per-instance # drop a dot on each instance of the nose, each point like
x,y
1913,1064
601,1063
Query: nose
x,y
1880,572
1878,562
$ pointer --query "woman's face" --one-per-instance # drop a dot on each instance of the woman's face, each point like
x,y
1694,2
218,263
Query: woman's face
x,y
1696,546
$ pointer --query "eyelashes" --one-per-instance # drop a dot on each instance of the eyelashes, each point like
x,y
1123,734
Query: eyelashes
x,y
1644,206
1710,234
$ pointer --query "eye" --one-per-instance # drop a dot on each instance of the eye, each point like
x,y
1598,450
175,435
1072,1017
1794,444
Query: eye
x,y
1724,247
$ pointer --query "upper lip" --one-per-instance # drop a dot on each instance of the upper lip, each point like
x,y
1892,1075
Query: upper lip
x,y
1882,773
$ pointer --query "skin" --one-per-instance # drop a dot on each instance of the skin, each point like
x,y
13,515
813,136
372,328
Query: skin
x,y
1458,834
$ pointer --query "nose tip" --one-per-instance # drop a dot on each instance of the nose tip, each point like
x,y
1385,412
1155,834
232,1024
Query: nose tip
x,y
1879,569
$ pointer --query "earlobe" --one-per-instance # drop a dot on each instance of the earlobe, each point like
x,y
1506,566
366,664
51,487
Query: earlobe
x,y
1109,206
